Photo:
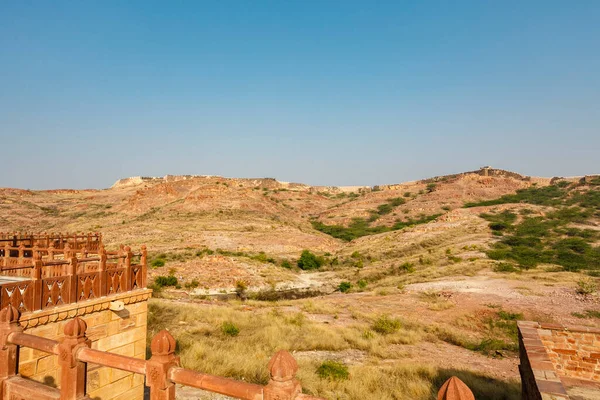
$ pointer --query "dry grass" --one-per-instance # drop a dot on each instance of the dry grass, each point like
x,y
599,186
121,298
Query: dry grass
x,y
204,346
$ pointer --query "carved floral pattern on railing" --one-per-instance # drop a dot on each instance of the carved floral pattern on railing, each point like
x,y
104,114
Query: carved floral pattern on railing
x,y
18,294
137,277
88,286
55,291
116,281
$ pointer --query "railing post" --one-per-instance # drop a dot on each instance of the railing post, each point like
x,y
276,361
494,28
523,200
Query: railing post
x,y
283,384
9,317
51,252
72,277
21,254
157,367
6,254
102,270
36,277
128,258
72,371
120,254
144,265
67,251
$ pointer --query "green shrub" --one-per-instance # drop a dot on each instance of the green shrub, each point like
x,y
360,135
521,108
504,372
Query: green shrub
x,y
286,264
157,263
344,287
229,329
161,281
587,314
333,370
396,201
386,325
505,267
586,286
202,252
407,267
362,284
508,316
193,284
491,346
308,261
361,227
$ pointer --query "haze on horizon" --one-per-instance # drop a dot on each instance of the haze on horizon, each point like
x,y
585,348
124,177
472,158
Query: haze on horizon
x,y
323,93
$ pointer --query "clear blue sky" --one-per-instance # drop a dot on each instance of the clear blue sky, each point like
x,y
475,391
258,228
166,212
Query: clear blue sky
x,y
320,92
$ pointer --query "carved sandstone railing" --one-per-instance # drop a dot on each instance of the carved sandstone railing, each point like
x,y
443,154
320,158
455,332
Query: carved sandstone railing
x,y
48,277
91,241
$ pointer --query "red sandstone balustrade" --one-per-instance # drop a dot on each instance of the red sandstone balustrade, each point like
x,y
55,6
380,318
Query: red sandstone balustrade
x,y
58,240
69,279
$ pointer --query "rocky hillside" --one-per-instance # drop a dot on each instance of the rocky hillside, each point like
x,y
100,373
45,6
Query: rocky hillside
x,y
261,216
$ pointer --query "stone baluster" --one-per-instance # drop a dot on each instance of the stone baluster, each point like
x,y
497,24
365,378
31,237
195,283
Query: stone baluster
x,y
67,251
6,253
283,383
36,277
128,259
102,270
21,254
72,371
72,278
120,255
9,317
157,368
51,251
144,266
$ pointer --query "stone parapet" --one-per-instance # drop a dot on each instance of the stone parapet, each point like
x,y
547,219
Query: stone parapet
x,y
119,332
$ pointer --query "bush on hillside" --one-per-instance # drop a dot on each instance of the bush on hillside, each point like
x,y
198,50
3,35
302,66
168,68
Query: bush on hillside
x,y
308,261
333,370
161,281
344,287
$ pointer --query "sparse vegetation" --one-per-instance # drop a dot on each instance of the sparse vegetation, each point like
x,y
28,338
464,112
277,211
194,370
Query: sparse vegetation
x,y
333,370
586,286
587,314
548,238
360,227
386,325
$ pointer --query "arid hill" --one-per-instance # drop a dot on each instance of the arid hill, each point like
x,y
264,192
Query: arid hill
x,y
418,280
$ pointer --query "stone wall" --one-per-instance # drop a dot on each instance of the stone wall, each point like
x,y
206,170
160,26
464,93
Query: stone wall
x,y
573,352
121,332
556,359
